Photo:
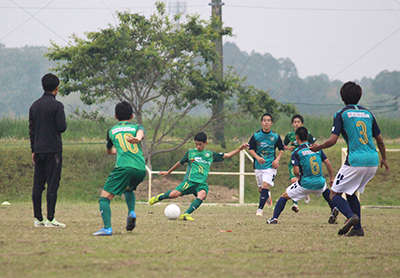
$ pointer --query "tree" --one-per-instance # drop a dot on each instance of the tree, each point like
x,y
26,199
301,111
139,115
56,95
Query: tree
x,y
161,67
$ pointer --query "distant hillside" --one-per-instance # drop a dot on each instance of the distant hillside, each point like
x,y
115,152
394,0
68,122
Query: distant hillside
x,y
22,68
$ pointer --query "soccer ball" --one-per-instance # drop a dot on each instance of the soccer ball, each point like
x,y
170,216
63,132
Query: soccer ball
x,y
172,212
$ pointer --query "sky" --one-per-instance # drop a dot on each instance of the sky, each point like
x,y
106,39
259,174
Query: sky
x,y
344,39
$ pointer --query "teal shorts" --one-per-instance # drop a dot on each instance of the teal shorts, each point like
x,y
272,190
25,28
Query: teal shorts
x,y
189,187
123,179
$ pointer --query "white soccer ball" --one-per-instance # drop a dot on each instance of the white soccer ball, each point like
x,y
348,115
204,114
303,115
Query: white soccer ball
x,y
172,212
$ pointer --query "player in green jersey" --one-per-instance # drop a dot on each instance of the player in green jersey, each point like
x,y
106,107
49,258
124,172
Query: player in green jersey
x,y
123,140
291,144
195,181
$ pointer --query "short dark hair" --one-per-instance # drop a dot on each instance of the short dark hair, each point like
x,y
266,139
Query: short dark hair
x,y
298,116
201,136
302,132
123,111
50,82
350,93
266,114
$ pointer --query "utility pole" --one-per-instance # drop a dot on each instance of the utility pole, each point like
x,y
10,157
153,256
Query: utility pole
x,y
218,68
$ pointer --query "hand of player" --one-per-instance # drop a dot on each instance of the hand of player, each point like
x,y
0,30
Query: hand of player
x,y
275,164
163,173
384,163
315,147
260,160
244,146
331,181
132,140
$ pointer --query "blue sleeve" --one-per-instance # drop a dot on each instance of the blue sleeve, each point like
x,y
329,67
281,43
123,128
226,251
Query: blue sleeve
x,y
323,156
337,124
279,144
375,128
252,143
185,158
295,159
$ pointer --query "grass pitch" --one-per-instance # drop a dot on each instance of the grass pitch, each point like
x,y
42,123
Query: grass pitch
x,y
301,245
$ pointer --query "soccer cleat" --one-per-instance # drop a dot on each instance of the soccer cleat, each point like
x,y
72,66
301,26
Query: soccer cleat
x,y
53,223
155,199
38,223
131,221
259,212
186,217
333,216
104,232
272,221
307,199
295,208
354,232
354,220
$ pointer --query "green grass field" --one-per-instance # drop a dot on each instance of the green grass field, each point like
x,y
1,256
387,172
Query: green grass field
x,y
301,245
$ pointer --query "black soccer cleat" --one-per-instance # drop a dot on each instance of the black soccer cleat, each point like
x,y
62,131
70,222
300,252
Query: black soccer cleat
x,y
333,216
354,220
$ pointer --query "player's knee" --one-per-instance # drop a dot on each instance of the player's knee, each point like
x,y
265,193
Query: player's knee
x,y
175,194
202,195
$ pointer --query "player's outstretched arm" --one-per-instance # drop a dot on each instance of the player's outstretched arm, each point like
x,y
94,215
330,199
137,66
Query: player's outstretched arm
x,y
173,168
382,150
234,152
330,171
134,140
327,144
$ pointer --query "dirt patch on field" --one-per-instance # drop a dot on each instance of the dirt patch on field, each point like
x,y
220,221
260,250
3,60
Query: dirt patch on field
x,y
216,194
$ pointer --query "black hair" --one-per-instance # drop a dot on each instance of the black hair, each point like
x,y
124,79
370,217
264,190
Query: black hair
x,y
298,116
302,132
50,82
201,136
266,114
350,93
123,111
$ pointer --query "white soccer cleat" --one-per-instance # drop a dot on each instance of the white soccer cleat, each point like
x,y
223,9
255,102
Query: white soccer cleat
x,y
307,199
38,223
54,223
259,212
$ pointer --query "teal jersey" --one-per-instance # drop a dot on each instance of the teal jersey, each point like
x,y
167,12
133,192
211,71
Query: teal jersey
x,y
199,164
128,155
264,144
290,139
310,166
358,127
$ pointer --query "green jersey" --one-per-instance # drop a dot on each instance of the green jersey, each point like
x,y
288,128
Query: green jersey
x,y
290,139
199,164
128,155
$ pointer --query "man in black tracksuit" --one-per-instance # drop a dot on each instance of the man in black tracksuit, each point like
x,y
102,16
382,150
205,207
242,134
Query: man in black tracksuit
x,y
46,123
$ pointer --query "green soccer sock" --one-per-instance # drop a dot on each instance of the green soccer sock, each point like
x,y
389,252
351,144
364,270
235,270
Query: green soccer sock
x,y
105,211
130,199
194,205
294,203
165,195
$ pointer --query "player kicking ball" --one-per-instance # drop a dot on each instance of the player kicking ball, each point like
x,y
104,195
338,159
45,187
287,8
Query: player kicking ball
x,y
123,140
307,166
199,161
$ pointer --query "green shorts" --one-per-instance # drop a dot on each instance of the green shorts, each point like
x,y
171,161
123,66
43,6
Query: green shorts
x,y
123,179
291,172
189,187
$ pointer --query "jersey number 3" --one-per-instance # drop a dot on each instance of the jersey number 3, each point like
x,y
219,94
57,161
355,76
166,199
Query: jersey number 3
x,y
363,132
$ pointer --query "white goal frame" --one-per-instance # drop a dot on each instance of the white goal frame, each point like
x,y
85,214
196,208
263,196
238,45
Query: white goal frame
x,y
241,173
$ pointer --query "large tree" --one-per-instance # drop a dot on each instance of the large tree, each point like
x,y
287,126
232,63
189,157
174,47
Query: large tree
x,y
161,67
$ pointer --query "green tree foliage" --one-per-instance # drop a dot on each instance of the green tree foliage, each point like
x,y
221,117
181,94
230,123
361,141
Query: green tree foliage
x,y
161,67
